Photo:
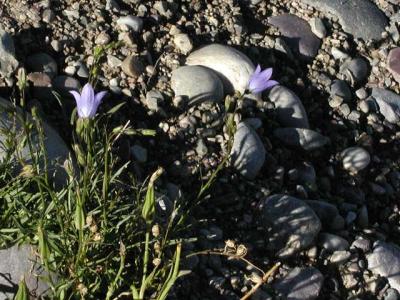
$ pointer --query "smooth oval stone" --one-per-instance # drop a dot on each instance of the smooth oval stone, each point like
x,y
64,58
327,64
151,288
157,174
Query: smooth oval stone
x,y
233,67
297,34
385,261
355,159
56,150
42,62
393,63
21,262
355,69
361,18
341,88
300,284
8,62
197,84
389,104
289,223
332,242
327,213
248,152
133,22
288,107
301,137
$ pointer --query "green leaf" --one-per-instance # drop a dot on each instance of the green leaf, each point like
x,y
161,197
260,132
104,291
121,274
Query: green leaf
x,y
23,293
115,108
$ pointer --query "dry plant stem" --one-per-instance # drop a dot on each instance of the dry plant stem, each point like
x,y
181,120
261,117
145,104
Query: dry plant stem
x,y
210,252
264,279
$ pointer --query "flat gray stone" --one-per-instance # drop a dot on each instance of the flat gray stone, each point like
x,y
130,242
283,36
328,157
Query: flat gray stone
x,y
56,149
42,62
327,213
17,263
248,152
361,18
197,84
300,284
297,34
64,84
231,65
288,108
290,224
385,261
355,159
8,62
389,104
301,137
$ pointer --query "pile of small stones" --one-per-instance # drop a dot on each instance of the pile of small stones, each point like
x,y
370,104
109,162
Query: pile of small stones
x,y
314,172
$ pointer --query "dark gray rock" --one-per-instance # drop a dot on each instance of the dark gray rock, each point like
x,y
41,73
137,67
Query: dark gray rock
x,y
332,242
64,84
389,104
297,34
8,62
288,107
355,159
16,263
300,284
197,84
301,137
385,261
56,150
42,62
361,18
233,67
327,213
289,223
248,152
341,88
355,70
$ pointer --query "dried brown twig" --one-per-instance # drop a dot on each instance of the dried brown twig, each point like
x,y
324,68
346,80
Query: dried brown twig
x,y
233,251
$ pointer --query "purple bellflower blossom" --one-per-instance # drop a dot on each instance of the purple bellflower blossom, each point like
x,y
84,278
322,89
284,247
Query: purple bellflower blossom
x,y
260,80
87,101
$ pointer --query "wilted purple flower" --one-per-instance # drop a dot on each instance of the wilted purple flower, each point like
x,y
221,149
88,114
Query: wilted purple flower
x,y
259,81
87,102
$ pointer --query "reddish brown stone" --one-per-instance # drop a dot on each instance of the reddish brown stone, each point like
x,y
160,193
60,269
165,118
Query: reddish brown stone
x,y
393,63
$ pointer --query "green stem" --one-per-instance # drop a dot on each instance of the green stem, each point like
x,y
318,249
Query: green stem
x,y
145,263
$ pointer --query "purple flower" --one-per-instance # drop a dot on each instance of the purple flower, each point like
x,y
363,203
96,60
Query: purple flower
x,y
259,81
87,102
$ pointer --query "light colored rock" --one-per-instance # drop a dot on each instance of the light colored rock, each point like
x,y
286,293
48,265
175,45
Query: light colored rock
x,y
385,261
332,242
355,159
288,107
289,223
20,262
133,22
183,42
197,84
318,27
8,62
301,284
361,18
248,152
233,67
389,104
